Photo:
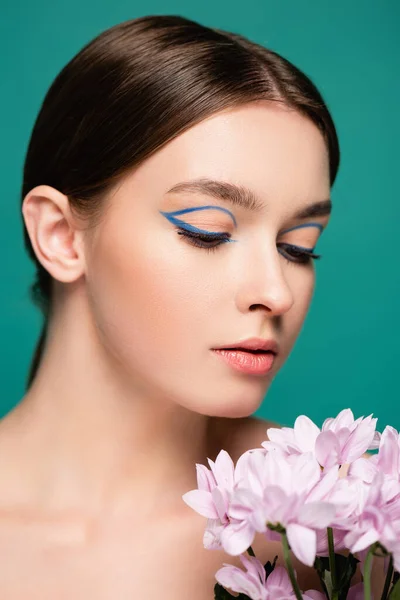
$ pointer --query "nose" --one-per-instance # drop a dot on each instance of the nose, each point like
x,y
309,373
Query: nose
x,y
264,284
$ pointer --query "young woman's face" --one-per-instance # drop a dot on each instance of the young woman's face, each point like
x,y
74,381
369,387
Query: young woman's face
x,y
161,304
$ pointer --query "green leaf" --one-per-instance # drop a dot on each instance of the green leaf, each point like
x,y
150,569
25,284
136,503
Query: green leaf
x,y
321,565
345,573
345,568
220,593
270,567
395,593
328,583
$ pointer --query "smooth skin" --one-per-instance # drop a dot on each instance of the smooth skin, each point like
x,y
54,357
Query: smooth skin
x,y
129,395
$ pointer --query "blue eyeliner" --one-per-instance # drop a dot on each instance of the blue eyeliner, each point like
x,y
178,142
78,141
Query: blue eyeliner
x,y
172,218
197,230
320,227
170,215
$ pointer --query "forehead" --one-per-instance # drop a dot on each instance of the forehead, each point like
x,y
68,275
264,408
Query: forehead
x,y
275,151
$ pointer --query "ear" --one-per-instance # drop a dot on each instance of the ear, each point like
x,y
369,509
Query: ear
x,y
54,233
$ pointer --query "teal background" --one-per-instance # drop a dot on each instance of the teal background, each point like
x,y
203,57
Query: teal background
x,y
347,354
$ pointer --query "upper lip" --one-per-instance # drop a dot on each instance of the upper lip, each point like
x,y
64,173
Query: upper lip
x,y
253,344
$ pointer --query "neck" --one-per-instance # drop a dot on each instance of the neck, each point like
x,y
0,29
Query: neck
x,y
97,440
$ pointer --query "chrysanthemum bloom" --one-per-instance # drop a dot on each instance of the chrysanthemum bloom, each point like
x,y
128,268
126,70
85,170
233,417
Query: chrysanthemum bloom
x,y
377,516
279,491
213,496
254,584
387,460
340,441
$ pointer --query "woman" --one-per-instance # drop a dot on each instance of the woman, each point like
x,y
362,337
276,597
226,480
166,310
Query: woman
x,y
176,184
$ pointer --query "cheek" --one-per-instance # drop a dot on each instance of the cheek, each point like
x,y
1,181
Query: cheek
x,y
149,301
303,285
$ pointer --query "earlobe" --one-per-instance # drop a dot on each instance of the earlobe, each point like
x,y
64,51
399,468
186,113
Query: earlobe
x,y
53,232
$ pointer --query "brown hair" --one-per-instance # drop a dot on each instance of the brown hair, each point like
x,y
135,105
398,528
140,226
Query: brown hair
x,y
131,90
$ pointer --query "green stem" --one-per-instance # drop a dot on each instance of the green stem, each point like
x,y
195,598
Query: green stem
x,y
332,562
367,573
250,551
388,579
289,566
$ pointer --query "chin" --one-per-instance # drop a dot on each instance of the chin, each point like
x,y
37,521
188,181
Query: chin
x,y
233,407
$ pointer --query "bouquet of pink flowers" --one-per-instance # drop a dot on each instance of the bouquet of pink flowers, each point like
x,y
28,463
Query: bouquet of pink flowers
x,y
318,493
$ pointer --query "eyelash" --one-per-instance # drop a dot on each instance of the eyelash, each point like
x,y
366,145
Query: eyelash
x,y
200,240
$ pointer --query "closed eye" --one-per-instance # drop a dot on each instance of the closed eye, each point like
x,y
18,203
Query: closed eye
x,y
303,256
211,241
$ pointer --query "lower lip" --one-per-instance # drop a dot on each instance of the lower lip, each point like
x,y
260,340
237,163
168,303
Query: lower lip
x,y
246,362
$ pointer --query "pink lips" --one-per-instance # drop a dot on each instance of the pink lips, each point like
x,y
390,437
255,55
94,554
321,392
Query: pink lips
x,y
254,343
247,362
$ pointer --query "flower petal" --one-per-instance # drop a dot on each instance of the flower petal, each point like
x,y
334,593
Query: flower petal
x,y
344,419
389,452
317,515
313,595
324,485
303,542
235,579
254,567
327,449
223,470
306,473
205,479
364,469
279,578
359,440
364,540
237,537
356,592
212,535
201,502
221,503
305,433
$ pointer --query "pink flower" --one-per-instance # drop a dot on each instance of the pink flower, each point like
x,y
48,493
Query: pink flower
x,y
322,541
388,457
356,592
254,584
387,460
377,514
250,582
378,518
278,490
212,498
340,441
346,495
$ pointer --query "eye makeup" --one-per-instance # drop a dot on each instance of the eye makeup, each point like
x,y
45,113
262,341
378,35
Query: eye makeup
x,y
302,248
203,238
320,227
172,218
211,240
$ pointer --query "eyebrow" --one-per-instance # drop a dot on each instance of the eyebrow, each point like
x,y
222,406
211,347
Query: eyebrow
x,y
244,197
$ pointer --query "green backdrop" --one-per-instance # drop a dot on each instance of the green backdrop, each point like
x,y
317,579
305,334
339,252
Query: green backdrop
x,y
347,354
